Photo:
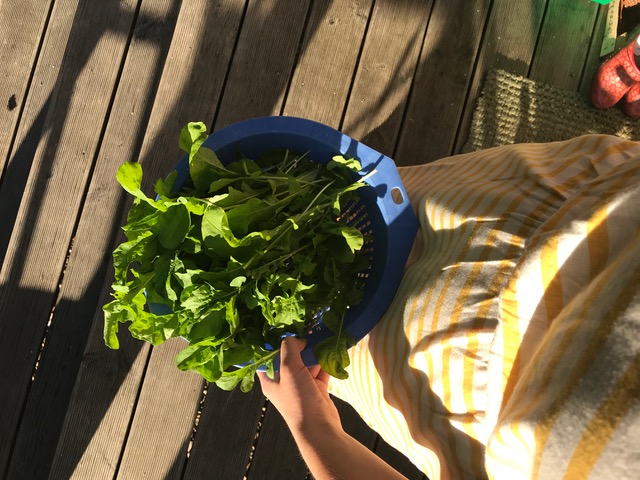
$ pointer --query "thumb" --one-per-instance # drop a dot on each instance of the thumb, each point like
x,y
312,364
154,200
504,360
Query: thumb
x,y
290,360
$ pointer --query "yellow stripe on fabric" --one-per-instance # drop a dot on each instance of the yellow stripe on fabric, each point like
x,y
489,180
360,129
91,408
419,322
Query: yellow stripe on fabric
x,y
415,180
587,205
517,201
444,243
451,438
511,330
471,351
621,149
544,391
504,457
598,240
603,330
444,194
462,299
551,282
603,425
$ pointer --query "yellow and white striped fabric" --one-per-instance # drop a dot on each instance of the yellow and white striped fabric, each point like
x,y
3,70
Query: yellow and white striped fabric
x,y
512,348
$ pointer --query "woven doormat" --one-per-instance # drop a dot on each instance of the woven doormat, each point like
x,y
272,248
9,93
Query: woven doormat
x,y
514,109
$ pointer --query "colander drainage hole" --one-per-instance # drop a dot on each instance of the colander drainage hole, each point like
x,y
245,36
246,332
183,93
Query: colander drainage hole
x,y
396,195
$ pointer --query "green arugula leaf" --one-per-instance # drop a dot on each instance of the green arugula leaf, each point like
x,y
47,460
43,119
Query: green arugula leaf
x,y
114,314
339,161
215,225
152,328
165,188
332,356
173,227
354,238
212,370
192,137
130,177
194,355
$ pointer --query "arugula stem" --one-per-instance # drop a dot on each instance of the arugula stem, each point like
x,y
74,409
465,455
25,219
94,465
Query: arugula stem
x,y
318,196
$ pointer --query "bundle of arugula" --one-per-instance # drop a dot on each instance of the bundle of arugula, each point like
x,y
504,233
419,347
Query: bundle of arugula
x,y
241,255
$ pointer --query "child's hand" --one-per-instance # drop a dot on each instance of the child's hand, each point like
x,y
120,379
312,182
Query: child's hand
x,y
300,393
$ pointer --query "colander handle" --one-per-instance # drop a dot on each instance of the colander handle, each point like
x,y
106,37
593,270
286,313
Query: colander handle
x,y
381,173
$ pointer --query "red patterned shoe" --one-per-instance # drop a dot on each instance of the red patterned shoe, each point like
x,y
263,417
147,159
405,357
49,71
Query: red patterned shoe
x,y
615,77
632,102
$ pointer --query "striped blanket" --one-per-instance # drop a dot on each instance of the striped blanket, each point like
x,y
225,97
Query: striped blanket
x,y
512,348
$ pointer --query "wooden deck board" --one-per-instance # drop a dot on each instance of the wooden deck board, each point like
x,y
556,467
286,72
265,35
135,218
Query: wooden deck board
x,y
276,455
329,53
180,95
165,412
441,81
403,75
225,434
72,128
263,61
385,72
593,60
564,43
97,231
509,43
20,37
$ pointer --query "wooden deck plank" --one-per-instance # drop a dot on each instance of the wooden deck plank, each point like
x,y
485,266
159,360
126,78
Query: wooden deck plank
x,y
100,407
593,60
509,43
54,191
180,98
164,417
564,43
276,455
385,72
79,295
264,60
20,37
441,81
225,433
330,51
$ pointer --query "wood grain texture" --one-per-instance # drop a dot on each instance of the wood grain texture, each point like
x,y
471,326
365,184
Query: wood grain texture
x,y
164,416
509,43
87,268
441,82
385,72
105,393
330,50
179,99
564,43
263,61
225,433
81,88
20,37
276,455
593,60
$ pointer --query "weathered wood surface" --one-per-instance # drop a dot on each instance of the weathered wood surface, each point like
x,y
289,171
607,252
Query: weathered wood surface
x,y
45,182
100,83
385,72
20,37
